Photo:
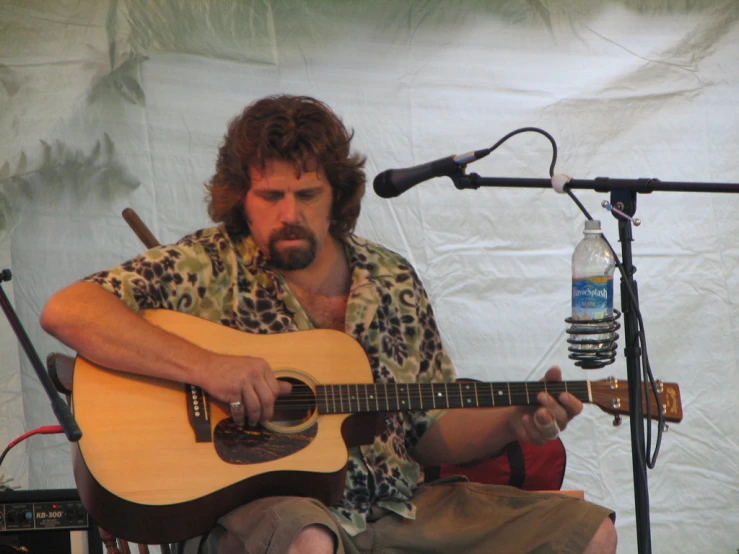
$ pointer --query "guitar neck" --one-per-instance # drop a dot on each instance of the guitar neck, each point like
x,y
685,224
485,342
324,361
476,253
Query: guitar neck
x,y
356,398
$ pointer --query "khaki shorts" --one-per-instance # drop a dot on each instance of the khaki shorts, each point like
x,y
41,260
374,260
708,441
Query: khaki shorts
x,y
452,517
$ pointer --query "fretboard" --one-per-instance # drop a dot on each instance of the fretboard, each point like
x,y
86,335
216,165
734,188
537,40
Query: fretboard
x,y
342,399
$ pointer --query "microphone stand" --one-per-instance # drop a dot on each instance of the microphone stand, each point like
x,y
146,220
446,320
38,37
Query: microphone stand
x,y
623,197
60,408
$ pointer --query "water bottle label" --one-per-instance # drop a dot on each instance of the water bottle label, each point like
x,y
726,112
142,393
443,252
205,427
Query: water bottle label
x,y
592,298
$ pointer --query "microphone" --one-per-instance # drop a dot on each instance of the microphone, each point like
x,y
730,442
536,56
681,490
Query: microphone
x,y
393,182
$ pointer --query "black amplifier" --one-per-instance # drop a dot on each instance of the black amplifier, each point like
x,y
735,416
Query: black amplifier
x,y
46,522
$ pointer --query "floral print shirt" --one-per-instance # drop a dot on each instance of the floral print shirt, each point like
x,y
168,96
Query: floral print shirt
x,y
228,280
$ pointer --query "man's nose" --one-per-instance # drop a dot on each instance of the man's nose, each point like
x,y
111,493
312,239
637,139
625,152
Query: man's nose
x,y
289,212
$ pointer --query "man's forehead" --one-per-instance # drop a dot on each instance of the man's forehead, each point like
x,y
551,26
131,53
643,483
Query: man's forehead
x,y
277,170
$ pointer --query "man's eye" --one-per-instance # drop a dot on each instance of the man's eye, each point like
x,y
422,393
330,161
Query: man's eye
x,y
307,195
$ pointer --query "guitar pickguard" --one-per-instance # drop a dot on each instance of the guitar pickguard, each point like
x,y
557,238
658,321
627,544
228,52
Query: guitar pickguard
x,y
253,445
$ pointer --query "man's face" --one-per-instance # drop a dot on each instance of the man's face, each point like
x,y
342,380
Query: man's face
x,y
289,216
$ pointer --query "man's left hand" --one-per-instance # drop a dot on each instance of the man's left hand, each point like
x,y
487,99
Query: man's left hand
x,y
552,416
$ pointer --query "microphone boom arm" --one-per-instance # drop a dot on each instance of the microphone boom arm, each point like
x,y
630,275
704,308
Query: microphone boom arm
x,y
599,184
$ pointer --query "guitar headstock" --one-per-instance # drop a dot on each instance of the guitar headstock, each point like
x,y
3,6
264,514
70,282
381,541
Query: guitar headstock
x,y
612,396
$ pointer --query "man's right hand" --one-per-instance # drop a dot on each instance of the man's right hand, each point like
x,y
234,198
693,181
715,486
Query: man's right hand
x,y
80,316
244,379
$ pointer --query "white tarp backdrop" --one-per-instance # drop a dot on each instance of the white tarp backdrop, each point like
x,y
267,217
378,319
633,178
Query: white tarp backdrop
x,y
107,104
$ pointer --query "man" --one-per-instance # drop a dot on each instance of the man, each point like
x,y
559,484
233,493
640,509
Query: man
x,y
287,192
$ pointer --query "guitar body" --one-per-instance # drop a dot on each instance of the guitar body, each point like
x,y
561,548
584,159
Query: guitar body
x,y
142,475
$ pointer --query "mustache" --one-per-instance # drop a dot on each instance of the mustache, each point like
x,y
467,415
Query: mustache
x,y
291,232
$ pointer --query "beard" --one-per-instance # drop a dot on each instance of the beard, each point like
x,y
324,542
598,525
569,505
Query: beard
x,y
294,257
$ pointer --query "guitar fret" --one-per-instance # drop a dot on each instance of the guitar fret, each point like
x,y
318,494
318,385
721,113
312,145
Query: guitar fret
x,y
408,393
420,397
322,401
510,401
528,400
483,398
500,392
468,392
451,398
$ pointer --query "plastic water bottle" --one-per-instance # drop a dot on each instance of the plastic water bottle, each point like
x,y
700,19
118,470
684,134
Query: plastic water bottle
x,y
593,264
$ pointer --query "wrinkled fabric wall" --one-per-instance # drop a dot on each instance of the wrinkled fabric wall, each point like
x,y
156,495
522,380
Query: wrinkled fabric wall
x,y
113,104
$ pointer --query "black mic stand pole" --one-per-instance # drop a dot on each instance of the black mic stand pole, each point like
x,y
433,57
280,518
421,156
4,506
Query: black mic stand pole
x,y
60,408
625,201
623,198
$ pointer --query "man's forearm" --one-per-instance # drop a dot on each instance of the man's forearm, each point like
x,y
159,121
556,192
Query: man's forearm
x,y
466,434
100,327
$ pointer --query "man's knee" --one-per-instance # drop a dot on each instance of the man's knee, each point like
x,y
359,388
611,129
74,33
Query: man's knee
x,y
605,539
314,539
280,522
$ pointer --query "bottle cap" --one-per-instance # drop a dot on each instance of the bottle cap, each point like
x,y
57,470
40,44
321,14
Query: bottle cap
x,y
592,225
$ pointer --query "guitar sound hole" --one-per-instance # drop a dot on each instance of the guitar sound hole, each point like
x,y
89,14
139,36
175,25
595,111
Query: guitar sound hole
x,y
297,407
292,429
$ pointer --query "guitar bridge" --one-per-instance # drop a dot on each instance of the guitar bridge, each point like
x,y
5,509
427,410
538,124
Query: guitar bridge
x,y
198,412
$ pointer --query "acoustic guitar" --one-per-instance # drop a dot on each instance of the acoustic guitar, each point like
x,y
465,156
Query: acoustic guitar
x,y
159,463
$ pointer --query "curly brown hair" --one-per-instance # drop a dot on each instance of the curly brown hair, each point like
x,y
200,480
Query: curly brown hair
x,y
295,129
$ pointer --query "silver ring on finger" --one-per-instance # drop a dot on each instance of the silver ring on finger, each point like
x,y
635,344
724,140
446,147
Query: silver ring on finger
x,y
237,411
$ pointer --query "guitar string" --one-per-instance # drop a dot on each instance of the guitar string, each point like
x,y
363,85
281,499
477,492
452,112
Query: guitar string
x,y
431,389
452,395
429,396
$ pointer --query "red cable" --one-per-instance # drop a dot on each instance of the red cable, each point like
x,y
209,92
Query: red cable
x,y
45,430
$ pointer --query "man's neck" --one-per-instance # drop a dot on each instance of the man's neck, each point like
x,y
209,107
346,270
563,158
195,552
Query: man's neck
x,y
328,275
